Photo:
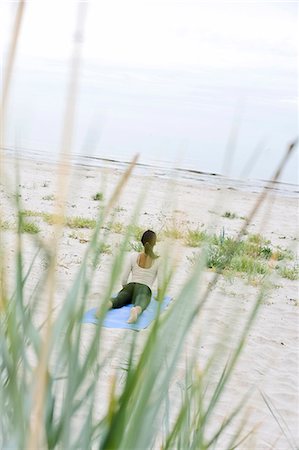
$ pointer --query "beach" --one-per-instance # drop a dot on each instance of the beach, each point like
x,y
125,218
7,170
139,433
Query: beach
x,y
171,203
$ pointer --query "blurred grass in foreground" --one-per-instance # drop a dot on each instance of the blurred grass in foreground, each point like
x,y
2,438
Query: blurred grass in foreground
x,y
135,409
48,386
139,411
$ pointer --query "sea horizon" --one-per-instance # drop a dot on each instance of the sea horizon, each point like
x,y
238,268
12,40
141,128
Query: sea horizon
x,y
236,125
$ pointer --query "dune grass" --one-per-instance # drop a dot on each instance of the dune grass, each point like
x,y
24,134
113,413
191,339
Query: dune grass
x,y
250,255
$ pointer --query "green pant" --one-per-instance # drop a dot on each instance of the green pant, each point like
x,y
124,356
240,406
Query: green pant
x,y
136,293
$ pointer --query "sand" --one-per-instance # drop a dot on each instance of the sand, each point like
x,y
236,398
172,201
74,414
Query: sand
x,y
269,363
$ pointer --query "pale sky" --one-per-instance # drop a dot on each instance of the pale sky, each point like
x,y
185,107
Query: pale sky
x,y
163,33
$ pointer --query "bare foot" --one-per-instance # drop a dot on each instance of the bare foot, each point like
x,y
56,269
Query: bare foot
x,y
134,314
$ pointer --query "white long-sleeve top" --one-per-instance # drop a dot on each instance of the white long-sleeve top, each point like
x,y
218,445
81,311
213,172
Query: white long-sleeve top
x,y
141,275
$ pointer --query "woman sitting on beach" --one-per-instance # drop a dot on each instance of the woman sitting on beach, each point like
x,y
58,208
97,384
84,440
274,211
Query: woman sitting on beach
x,y
144,268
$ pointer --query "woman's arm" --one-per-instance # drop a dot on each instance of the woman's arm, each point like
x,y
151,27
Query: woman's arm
x,y
127,271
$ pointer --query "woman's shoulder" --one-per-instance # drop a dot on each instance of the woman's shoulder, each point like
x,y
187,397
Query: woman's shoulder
x,y
134,256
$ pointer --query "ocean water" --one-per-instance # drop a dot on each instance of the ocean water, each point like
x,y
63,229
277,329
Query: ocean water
x,y
236,124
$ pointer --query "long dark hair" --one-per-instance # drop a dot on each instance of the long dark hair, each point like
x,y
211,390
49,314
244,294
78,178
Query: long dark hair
x,y
149,240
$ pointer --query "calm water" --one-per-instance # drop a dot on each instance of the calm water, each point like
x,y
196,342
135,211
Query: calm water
x,y
169,117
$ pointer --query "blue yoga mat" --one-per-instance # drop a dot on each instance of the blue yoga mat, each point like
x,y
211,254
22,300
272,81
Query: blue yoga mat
x,y
117,318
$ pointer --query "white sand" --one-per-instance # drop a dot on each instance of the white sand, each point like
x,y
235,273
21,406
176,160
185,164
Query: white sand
x,y
269,362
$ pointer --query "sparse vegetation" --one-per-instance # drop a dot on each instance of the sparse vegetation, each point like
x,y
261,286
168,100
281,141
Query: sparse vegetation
x,y
73,235
117,227
194,238
254,255
249,265
78,236
105,248
229,215
257,239
281,254
80,222
291,273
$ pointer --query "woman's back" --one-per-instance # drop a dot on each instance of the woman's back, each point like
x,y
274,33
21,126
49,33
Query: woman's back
x,y
144,261
143,269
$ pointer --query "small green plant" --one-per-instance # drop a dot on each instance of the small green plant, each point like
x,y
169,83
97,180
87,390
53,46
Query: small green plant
x,y
29,227
229,215
291,273
194,238
265,251
216,259
117,227
4,225
73,235
80,222
78,236
98,196
105,248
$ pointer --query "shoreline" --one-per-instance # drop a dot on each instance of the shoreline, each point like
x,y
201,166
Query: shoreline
x,y
211,178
